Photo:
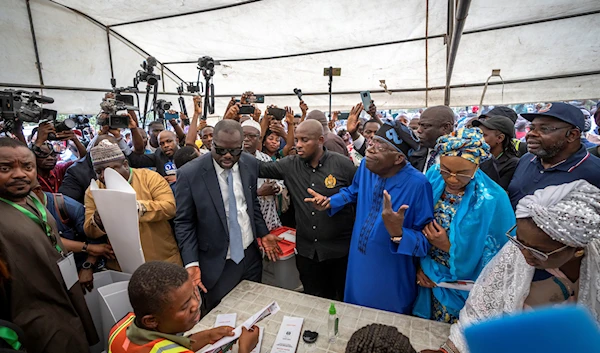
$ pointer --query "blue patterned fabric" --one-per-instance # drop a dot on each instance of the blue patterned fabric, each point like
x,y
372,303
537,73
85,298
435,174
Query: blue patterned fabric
x,y
476,233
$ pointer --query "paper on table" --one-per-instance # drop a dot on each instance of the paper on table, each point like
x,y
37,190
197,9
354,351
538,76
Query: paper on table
x,y
226,342
118,210
465,285
288,335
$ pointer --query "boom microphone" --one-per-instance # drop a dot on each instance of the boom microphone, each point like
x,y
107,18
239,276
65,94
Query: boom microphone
x,y
42,99
151,61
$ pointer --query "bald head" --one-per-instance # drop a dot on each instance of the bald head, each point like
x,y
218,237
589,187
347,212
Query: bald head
x,y
440,114
433,123
319,116
312,128
166,133
168,142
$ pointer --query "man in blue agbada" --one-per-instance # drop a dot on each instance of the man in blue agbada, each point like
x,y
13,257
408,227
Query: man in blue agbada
x,y
381,265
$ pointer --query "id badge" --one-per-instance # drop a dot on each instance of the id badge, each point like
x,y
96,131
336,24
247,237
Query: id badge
x,y
68,270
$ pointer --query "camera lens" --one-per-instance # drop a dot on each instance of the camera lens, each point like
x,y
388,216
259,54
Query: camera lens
x,y
152,80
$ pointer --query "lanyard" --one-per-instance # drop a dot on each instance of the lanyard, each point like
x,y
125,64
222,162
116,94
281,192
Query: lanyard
x,y
41,222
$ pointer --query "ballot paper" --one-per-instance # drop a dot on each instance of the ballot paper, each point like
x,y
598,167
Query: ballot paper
x,y
118,210
259,344
225,343
465,285
288,335
226,320
289,235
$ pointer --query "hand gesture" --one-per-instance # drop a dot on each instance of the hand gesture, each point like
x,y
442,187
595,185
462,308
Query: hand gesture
x,y
372,109
353,122
265,122
198,104
66,135
277,128
230,104
133,122
245,99
86,279
249,339
289,116
423,280
217,333
271,246
44,130
233,112
256,114
303,107
437,236
393,220
100,250
202,124
267,189
196,275
320,202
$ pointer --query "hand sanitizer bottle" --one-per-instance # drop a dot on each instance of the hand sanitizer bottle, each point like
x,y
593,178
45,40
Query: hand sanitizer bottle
x,y
332,323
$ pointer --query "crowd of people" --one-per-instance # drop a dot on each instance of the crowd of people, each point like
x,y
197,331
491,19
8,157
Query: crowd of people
x,y
402,205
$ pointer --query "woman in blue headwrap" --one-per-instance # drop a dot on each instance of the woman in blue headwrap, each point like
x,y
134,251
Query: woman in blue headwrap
x,y
472,214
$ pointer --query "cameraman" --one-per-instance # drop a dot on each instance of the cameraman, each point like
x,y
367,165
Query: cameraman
x,y
50,174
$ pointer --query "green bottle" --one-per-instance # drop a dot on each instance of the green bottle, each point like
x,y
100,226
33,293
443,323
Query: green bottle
x,y
332,323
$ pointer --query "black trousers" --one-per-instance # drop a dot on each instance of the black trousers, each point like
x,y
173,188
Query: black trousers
x,y
250,268
326,279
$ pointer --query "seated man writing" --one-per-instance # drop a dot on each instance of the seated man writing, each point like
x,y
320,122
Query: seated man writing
x,y
165,303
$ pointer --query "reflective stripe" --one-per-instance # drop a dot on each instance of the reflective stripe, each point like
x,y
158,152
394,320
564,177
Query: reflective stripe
x,y
168,347
118,330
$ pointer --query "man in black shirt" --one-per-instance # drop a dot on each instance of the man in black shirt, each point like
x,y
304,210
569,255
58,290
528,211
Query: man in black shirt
x,y
322,242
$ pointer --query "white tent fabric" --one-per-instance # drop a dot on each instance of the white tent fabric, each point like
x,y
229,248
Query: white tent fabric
x,y
546,49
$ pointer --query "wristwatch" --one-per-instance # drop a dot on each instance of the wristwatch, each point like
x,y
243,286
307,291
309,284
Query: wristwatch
x,y
87,265
85,245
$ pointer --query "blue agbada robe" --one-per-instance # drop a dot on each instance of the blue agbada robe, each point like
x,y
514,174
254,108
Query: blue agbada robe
x,y
477,233
382,274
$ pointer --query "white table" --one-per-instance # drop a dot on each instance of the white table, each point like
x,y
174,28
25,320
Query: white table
x,y
249,297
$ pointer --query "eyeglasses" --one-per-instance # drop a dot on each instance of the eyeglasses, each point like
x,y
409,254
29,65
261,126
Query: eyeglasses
x,y
536,253
546,130
460,177
223,151
250,136
380,146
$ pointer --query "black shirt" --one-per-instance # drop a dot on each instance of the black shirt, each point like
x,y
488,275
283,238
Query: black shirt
x,y
506,165
316,232
158,160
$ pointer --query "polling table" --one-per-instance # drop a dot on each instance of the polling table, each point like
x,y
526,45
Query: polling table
x,y
249,297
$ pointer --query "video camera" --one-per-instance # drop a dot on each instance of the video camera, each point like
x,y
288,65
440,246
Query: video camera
x,y
111,107
20,104
147,74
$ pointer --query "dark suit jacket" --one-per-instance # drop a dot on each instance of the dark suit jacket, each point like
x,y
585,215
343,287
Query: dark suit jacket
x,y
77,179
201,224
419,158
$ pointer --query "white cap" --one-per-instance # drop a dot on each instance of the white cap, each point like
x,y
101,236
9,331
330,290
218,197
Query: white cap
x,y
252,123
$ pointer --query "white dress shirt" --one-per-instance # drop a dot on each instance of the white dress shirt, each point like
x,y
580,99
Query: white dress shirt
x,y
437,160
240,201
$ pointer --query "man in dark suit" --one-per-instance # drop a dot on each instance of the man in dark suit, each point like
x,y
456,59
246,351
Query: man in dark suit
x,y
210,189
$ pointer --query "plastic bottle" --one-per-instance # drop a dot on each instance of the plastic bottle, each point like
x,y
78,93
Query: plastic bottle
x,y
332,323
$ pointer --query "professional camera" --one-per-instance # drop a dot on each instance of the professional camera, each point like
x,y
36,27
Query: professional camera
x,y
111,107
22,105
147,74
61,126
207,65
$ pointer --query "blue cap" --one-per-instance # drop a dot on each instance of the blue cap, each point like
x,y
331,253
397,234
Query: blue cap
x,y
561,111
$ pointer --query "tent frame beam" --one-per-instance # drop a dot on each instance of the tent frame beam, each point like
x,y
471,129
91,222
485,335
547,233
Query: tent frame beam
x,y
38,64
437,88
495,28
185,13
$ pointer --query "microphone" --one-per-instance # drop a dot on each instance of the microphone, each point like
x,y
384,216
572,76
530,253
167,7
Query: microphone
x,y
42,99
151,61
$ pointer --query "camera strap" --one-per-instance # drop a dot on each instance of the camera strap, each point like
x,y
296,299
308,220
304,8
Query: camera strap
x,y
41,220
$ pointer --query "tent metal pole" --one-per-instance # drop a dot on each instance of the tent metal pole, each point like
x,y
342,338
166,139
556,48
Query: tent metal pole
x,y
426,53
436,88
110,60
38,64
462,12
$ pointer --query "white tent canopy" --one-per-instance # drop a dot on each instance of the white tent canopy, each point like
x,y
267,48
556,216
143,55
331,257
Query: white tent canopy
x,y
546,49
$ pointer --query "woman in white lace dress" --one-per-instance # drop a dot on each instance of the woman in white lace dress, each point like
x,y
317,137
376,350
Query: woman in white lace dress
x,y
554,258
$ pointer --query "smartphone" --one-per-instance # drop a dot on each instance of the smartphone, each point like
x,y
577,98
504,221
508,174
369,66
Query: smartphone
x,y
365,96
259,98
169,116
246,109
277,113
343,116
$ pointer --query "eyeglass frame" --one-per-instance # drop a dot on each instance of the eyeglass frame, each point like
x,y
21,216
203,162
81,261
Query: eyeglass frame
x,y
223,151
380,144
542,256
550,129
458,175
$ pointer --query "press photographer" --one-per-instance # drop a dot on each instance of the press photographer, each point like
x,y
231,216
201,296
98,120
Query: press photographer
x,y
50,173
